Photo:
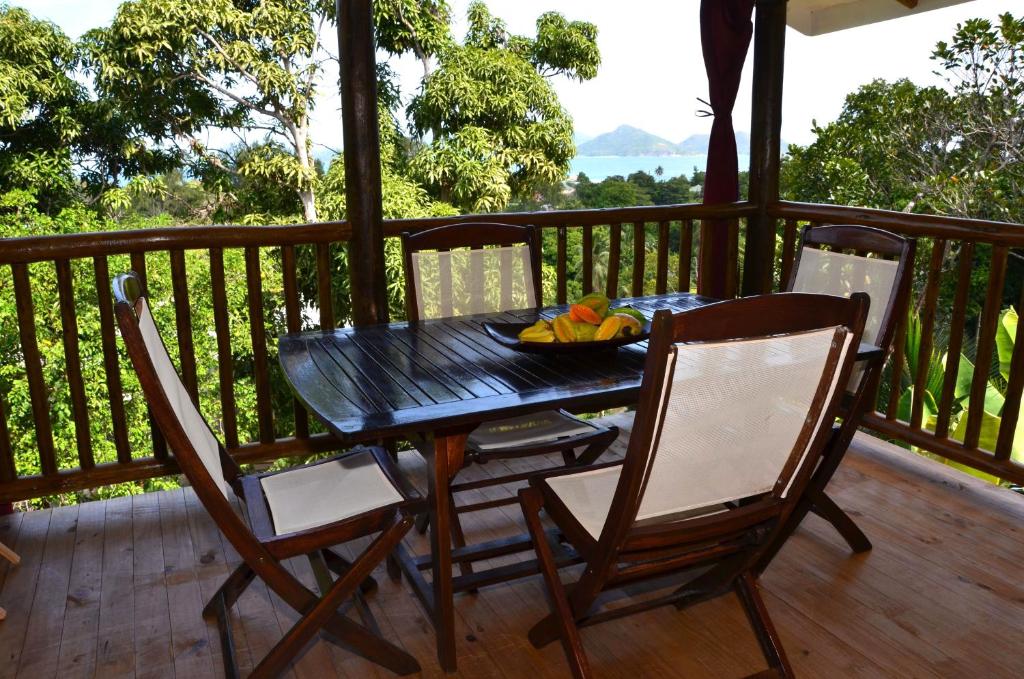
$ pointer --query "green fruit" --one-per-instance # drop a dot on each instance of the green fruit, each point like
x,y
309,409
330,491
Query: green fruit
x,y
585,332
631,312
597,302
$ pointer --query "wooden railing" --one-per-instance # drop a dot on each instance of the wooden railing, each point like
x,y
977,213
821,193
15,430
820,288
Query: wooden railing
x,y
67,347
74,322
953,319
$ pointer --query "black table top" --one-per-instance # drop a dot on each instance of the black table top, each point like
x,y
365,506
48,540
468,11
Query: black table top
x,y
388,380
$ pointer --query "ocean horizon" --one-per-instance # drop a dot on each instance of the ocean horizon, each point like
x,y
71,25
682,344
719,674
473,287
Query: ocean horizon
x,y
598,168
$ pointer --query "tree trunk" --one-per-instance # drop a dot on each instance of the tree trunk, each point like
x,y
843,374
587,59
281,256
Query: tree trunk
x,y
308,205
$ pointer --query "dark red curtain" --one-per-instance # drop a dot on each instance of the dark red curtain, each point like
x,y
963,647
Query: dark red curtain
x,y
725,31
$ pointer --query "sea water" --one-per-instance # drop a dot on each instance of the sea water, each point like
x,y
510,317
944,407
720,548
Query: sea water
x,y
599,167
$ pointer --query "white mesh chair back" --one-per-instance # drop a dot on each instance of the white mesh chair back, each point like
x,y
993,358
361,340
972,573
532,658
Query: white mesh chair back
x,y
196,428
836,273
473,281
732,416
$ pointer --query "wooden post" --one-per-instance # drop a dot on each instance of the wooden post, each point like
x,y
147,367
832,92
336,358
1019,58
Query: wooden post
x,y
357,52
765,143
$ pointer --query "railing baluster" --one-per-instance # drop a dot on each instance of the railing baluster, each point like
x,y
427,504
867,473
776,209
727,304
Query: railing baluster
x,y
986,344
685,254
34,368
614,260
639,254
661,275
588,259
111,361
183,324
293,323
225,358
1014,389
7,469
261,375
323,285
156,436
561,292
931,295
69,331
899,345
956,338
788,253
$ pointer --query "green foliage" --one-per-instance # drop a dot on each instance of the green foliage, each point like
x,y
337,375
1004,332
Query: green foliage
x,y
18,217
958,150
180,68
496,126
39,103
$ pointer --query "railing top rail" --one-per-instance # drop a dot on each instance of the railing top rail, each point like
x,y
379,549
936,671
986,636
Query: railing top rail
x,y
29,249
931,226
99,243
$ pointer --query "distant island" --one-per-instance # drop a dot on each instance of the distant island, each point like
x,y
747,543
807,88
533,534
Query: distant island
x,y
627,140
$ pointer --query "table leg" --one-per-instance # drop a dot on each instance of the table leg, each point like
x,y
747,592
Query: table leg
x,y
449,449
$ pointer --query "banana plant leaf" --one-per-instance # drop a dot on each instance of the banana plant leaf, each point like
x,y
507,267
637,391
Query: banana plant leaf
x,y
1006,335
964,376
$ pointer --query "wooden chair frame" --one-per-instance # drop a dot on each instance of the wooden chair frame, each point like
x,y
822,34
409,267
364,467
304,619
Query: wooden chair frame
x,y
10,555
725,546
262,551
594,443
862,240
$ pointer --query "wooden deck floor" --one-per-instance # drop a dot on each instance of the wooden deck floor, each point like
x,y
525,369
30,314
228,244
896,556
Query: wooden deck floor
x,y
114,589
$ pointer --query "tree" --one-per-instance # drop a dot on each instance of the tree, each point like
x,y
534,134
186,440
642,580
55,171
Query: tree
x,y
956,151
184,68
495,125
39,101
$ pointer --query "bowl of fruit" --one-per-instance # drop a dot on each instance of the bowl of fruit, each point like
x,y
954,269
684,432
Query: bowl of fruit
x,y
590,324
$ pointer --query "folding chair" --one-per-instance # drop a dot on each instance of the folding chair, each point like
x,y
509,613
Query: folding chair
x,y
881,265
299,511
478,268
735,408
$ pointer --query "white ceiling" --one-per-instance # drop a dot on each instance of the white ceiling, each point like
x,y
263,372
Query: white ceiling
x,y
816,17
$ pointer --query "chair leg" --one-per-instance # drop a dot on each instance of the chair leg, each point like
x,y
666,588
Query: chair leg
x,y
597,448
339,564
229,592
323,614
757,614
572,644
459,537
826,508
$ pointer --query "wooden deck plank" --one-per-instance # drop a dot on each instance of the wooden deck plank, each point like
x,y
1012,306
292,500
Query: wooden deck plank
x,y
152,618
19,589
191,637
212,568
77,656
115,640
935,598
46,621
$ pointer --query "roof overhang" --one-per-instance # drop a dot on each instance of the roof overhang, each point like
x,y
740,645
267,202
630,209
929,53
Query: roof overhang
x,y
817,17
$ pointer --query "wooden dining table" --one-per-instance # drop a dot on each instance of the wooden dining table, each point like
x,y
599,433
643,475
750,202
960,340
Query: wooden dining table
x,y
433,382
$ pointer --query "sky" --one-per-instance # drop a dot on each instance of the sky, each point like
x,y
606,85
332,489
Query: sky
x,y
652,71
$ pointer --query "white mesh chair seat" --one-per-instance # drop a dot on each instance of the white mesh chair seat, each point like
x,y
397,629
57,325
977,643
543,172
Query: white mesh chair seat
x,y
473,281
198,432
316,495
837,273
534,428
588,497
